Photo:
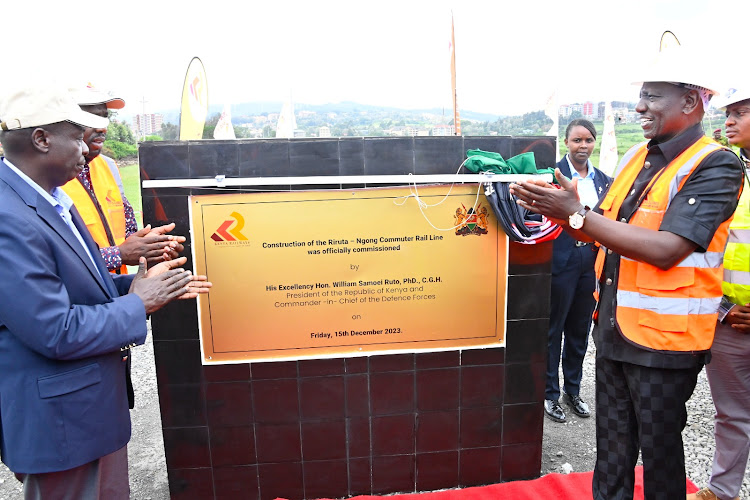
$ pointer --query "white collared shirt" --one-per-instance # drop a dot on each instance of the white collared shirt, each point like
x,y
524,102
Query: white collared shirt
x,y
586,188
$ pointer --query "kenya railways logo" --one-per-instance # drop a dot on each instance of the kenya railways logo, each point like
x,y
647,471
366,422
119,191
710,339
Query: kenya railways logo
x,y
230,230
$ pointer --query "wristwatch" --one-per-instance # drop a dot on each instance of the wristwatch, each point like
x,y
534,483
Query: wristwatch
x,y
576,220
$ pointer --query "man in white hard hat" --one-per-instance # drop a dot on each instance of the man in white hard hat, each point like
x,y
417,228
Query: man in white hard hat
x,y
729,369
66,324
662,227
98,195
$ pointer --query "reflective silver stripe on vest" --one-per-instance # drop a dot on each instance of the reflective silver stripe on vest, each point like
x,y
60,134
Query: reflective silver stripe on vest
x,y
700,260
736,277
703,260
115,173
739,236
664,305
684,170
629,154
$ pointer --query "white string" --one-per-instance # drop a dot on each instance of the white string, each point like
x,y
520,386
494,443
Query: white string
x,y
414,192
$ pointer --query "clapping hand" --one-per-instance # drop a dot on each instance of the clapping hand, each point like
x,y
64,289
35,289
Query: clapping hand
x,y
166,282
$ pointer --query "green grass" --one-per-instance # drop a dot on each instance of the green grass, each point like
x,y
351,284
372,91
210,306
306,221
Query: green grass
x,y
131,183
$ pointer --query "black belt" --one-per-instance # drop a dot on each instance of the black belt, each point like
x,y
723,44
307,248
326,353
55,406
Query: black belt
x,y
582,243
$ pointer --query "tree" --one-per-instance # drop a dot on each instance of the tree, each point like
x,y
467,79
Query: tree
x,y
170,131
118,150
120,132
210,126
573,116
120,141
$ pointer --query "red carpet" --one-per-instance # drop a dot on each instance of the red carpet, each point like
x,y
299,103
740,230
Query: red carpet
x,y
576,486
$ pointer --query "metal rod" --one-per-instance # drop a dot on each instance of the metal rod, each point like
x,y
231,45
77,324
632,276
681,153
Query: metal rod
x,y
222,181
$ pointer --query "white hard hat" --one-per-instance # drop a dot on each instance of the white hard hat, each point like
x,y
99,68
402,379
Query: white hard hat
x,y
677,66
732,96
36,106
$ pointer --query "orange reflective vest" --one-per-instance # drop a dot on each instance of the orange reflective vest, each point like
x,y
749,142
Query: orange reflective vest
x,y
676,309
107,226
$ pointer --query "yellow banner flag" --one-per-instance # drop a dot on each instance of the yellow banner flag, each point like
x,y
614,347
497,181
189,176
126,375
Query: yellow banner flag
x,y
194,102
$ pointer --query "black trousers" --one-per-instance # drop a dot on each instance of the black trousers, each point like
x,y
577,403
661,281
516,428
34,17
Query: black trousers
x,y
571,305
640,408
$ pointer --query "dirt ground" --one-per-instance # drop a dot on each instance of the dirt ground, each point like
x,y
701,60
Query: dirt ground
x,y
148,468
569,443
571,446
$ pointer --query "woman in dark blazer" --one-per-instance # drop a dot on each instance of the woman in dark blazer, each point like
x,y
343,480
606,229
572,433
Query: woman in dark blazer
x,y
572,300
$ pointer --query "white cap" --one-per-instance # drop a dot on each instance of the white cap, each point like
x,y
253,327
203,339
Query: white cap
x,y
89,95
732,96
31,106
677,66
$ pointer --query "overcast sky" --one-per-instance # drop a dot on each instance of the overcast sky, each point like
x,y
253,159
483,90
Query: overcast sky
x,y
511,54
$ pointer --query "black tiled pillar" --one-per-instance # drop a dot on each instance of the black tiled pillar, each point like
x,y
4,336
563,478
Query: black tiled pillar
x,y
347,426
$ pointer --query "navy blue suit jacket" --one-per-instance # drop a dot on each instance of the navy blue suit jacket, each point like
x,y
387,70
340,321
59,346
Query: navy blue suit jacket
x,y
63,398
565,243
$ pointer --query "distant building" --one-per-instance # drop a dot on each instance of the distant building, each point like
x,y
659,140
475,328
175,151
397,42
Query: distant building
x,y
147,124
588,109
299,133
324,132
600,110
621,114
632,117
443,130
252,131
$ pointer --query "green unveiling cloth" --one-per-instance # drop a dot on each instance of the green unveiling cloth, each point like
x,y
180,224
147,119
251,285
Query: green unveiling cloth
x,y
488,161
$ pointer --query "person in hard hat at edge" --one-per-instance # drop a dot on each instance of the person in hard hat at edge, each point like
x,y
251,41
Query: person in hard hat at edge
x,y
729,369
662,227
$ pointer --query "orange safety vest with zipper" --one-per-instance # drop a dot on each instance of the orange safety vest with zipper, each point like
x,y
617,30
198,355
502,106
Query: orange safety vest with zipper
x,y
676,309
107,226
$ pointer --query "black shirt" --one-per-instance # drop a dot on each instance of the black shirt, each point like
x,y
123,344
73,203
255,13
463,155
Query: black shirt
x,y
708,198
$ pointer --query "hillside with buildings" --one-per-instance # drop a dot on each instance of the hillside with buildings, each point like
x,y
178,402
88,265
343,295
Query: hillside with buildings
x,y
259,120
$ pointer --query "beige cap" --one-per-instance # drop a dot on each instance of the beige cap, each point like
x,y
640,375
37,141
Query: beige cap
x,y
88,95
31,106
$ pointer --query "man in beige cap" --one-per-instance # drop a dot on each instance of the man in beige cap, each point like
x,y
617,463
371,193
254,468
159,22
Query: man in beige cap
x,y
98,195
662,227
66,324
